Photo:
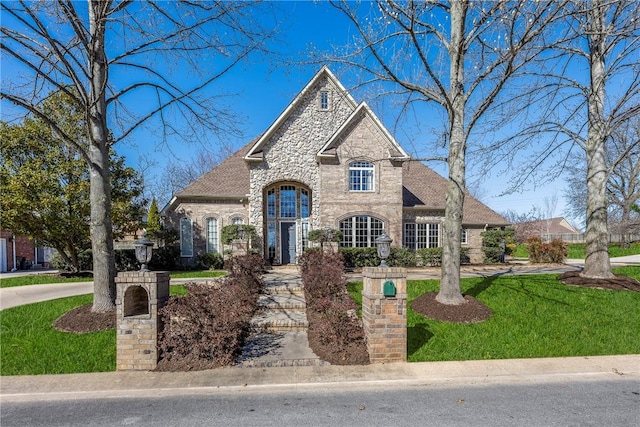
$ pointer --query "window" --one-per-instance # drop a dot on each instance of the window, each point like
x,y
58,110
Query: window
x,y
324,100
463,237
305,236
304,203
212,235
271,240
288,201
360,176
360,231
237,220
271,203
418,236
186,237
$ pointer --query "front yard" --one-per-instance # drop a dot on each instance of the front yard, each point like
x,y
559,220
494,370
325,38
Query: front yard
x,y
533,316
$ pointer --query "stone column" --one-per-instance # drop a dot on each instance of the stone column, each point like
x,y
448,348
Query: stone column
x,y
384,313
140,295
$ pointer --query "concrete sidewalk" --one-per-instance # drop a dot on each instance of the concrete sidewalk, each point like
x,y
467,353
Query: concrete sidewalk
x,y
243,380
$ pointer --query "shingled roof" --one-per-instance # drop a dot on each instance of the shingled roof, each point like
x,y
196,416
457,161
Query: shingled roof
x,y
230,179
424,188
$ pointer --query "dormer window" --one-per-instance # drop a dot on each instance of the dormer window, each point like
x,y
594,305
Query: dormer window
x,y
324,99
360,176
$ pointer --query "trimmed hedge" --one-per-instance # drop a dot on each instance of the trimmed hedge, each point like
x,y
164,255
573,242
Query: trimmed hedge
x,y
554,252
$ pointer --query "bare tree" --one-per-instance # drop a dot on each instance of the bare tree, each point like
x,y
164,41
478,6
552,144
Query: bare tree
x,y
623,184
592,88
459,56
125,64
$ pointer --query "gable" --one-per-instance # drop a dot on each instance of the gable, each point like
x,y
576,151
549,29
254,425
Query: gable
x,y
363,112
255,153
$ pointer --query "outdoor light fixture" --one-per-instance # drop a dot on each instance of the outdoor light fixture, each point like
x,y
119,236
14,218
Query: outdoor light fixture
x,y
241,232
144,250
383,243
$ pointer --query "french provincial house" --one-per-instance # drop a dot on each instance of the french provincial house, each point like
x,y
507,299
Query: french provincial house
x,y
326,161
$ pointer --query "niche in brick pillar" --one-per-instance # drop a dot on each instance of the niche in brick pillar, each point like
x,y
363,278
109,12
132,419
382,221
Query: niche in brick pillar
x,y
140,295
384,313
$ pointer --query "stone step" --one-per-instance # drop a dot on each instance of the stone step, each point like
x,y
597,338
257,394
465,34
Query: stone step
x,y
282,301
280,320
278,288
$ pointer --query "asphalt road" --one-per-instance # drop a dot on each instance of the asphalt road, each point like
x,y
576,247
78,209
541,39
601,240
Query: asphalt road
x,y
579,402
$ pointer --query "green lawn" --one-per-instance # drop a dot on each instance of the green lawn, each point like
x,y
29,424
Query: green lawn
x,y
41,279
576,251
30,346
533,316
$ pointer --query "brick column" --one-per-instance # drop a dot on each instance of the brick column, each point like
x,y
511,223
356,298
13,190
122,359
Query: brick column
x,y
385,317
139,297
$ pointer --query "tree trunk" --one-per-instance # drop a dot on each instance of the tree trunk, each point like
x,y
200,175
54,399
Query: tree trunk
x,y
596,263
104,269
450,282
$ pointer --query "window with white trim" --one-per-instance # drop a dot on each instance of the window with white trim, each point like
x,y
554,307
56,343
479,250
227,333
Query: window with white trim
x,y
360,231
361,176
464,237
186,237
418,236
212,235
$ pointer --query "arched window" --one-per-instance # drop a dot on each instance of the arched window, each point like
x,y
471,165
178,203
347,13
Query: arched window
x,y
360,176
212,235
360,231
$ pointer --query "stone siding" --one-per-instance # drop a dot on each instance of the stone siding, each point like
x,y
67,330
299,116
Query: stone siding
x,y
290,154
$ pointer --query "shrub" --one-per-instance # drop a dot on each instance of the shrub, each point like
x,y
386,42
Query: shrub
x,y
232,232
165,258
212,261
431,257
207,327
360,257
85,261
554,252
496,243
402,257
334,328
126,260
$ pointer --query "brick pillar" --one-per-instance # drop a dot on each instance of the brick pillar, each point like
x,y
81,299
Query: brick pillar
x,y
140,295
385,316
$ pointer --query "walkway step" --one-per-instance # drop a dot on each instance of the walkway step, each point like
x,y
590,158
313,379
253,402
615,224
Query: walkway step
x,y
279,288
280,321
283,301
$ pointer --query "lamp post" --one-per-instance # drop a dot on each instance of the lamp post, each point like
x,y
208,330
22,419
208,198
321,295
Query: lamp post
x,y
383,244
144,250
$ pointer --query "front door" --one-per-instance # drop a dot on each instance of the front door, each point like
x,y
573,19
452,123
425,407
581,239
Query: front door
x,y
288,242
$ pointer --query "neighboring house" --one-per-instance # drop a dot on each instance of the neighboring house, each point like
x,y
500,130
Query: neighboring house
x,y
326,161
20,253
548,229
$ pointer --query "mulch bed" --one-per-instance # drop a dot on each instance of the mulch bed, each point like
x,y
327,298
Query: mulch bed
x,y
82,320
471,311
618,283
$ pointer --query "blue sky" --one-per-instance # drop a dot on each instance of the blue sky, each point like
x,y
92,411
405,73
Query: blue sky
x,y
265,89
